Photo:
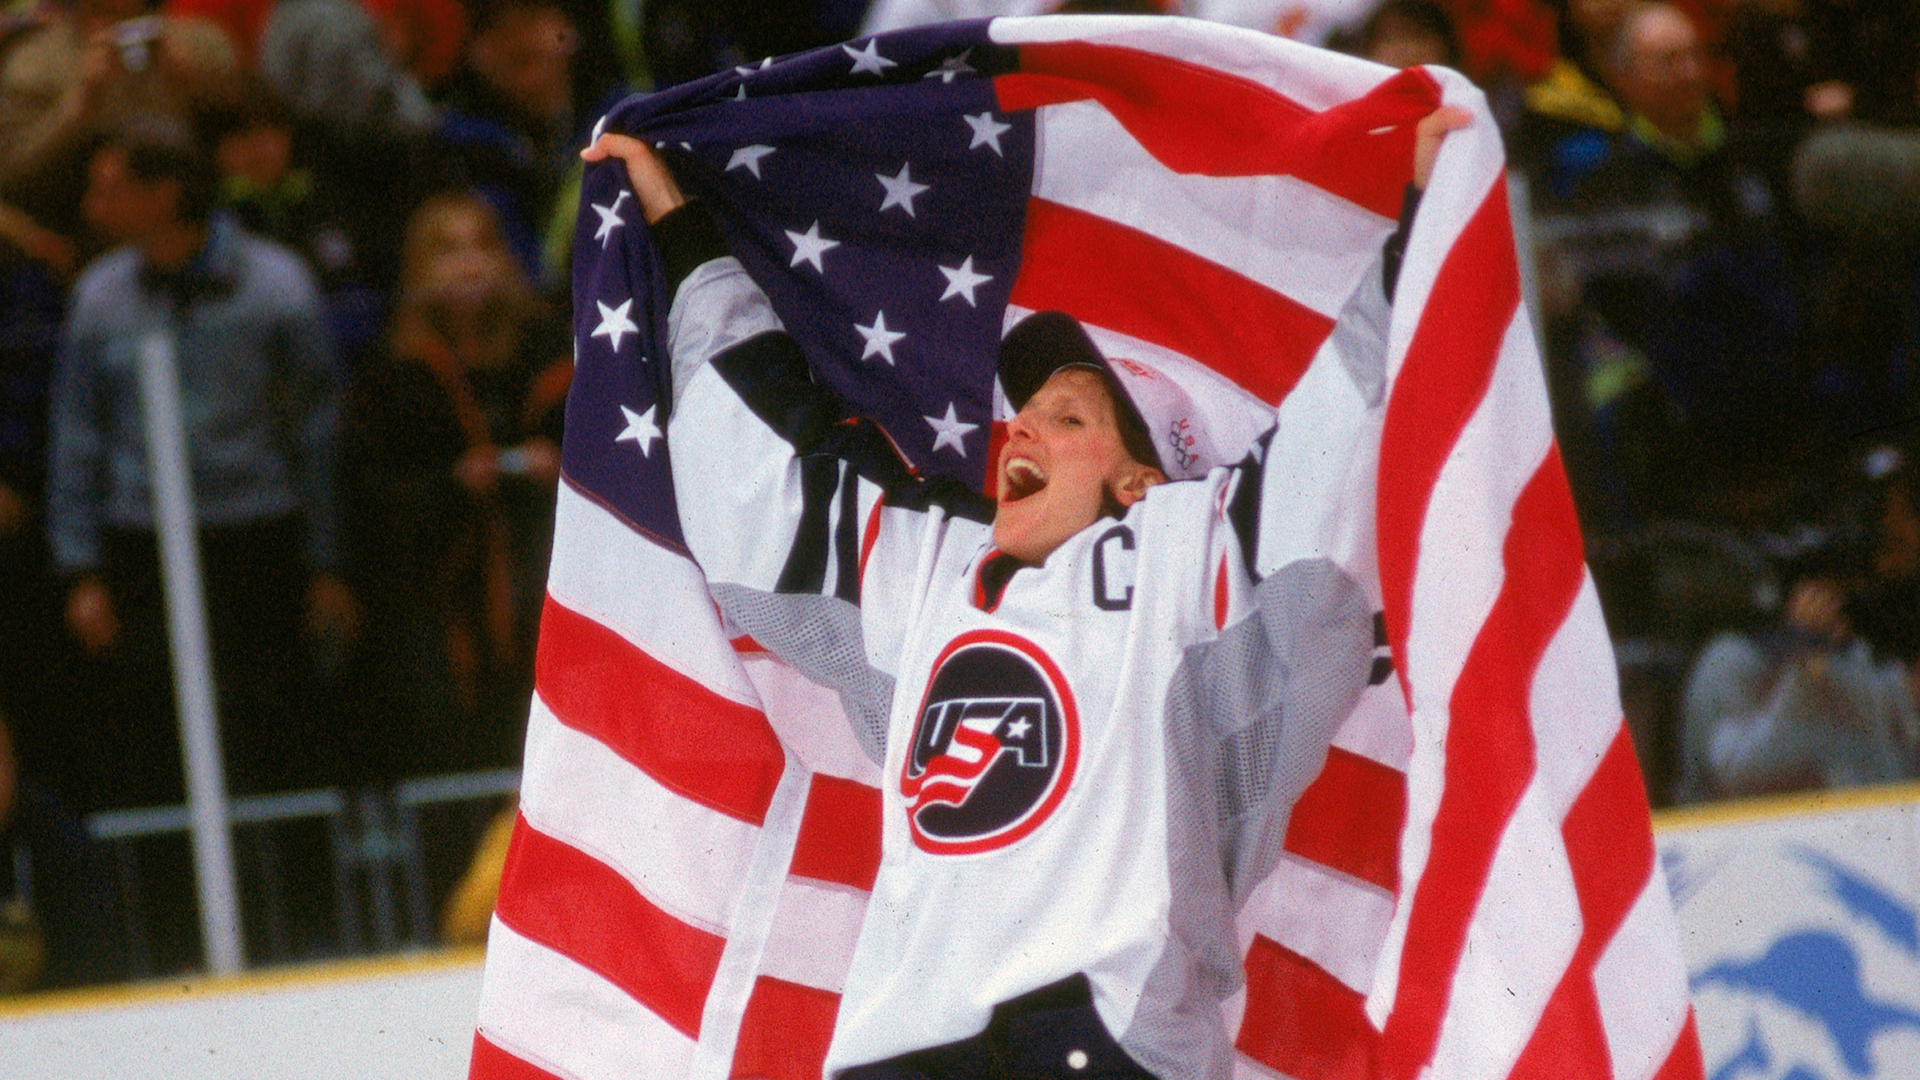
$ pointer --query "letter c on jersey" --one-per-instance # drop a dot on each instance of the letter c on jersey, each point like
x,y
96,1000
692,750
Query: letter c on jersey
x,y
1107,595
994,747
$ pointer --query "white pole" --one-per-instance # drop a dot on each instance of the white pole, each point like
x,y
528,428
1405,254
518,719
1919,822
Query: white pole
x,y
193,688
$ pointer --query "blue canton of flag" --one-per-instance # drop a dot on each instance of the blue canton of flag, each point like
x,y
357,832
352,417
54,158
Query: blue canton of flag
x,y
877,197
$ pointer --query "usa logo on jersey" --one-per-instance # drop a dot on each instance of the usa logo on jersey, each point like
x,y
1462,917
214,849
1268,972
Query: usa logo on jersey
x,y
994,746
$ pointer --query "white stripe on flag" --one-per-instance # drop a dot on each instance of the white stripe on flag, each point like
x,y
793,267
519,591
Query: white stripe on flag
x,y
1575,704
652,597
811,942
1325,916
682,856
1086,159
1378,729
1524,931
549,1011
1642,985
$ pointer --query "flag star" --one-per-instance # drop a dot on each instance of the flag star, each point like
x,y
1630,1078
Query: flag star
x,y
614,323
868,59
1018,729
986,131
640,429
962,280
809,246
900,190
952,68
740,94
950,430
610,219
748,158
879,339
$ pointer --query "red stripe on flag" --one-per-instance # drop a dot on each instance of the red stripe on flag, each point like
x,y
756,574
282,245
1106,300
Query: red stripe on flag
x,y
489,1062
785,1031
1350,818
1684,1062
1610,844
839,833
581,908
1449,364
716,752
1198,120
1301,1020
1490,723
1112,275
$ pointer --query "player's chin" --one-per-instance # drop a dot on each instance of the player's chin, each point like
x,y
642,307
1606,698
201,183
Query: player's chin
x,y
1017,532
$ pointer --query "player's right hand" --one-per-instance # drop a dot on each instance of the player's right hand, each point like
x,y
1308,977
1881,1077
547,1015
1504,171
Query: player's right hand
x,y
659,194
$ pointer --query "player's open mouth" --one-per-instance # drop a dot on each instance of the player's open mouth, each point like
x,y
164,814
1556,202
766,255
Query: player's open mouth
x,y
1019,479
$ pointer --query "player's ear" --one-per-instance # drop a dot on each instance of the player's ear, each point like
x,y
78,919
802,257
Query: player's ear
x,y
1133,484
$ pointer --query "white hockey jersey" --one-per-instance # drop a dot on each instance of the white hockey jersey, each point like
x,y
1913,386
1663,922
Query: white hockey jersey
x,y
1085,770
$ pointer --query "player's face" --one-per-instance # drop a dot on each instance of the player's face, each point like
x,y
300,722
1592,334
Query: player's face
x,y
1062,460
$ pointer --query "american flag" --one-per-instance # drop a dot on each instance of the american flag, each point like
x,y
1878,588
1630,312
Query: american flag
x,y
1469,889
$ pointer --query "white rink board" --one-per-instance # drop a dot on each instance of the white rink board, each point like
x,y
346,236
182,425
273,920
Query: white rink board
x,y
1801,921
353,1021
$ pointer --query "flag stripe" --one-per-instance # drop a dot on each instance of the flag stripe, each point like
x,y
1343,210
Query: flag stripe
x,y
785,1032
1248,129
840,833
1087,161
1324,80
1610,848
489,1062
1309,1025
1332,920
814,929
1544,572
1349,819
1102,272
653,597
1641,983
579,907
546,1009
1449,364
681,855
709,749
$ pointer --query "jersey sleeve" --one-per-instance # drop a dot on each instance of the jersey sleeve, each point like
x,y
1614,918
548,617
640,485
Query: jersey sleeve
x,y
1252,722
785,499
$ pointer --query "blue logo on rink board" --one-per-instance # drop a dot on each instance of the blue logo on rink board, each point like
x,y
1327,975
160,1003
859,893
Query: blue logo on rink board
x,y
1817,974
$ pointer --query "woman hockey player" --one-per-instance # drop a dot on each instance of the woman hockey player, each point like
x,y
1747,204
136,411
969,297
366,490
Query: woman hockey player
x,y
1092,712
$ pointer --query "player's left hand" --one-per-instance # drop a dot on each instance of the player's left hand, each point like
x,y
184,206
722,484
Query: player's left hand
x,y
1428,135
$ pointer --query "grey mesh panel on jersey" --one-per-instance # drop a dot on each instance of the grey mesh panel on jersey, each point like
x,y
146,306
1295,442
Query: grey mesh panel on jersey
x,y
726,317
819,637
1249,717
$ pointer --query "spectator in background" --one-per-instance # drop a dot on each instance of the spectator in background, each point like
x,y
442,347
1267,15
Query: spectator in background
x,y
73,74
1689,271
454,452
251,133
260,392
1569,118
1406,33
509,126
1808,705
362,122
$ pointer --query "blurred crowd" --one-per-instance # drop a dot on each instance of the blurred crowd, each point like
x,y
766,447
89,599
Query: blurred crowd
x,y
351,220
